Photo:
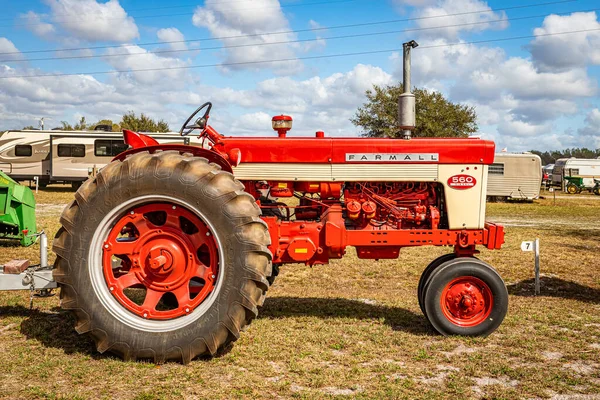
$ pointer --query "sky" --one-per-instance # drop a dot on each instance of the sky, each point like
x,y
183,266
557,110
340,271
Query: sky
x,y
529,68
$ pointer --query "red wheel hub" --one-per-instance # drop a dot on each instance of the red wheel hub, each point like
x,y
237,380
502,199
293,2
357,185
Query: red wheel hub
x,y
160,261
467,301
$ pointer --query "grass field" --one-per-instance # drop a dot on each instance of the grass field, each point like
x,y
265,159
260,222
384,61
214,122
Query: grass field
x,y
352,329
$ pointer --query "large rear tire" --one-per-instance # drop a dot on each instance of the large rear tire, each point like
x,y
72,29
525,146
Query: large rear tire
x,y
162,256
465,297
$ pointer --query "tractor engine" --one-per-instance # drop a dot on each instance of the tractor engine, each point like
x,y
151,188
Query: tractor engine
x,y
395,205
297,212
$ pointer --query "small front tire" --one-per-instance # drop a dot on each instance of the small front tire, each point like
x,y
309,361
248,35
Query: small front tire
x,y
466,297
427,273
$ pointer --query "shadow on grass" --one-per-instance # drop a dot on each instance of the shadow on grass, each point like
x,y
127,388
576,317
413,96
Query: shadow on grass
x,y
52,329
55,328
554,287
330,308
582,233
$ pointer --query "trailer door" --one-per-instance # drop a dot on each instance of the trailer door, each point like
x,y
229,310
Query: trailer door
x,y
70,158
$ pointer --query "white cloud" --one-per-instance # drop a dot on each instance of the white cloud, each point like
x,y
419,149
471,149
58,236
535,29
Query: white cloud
x,y
34,23
173,37
519,77
248,27
447,62
561,52
10,50
165,71
482,17
92,21
592,125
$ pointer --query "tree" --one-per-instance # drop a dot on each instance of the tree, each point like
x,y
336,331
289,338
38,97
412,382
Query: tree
x,y
436,116
143,123
550,157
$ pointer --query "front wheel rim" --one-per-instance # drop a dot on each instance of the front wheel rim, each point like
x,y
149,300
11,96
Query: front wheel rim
x,y
467,301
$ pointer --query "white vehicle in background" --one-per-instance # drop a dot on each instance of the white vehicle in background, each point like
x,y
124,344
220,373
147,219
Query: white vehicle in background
x,y
587,169
514,177
65,156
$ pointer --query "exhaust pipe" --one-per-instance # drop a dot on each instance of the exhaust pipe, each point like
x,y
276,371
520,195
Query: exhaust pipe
x,y
406,102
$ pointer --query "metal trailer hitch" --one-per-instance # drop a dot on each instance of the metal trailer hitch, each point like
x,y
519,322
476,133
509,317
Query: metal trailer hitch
x,y
19,275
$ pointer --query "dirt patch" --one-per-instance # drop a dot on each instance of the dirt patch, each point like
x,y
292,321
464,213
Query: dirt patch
x,y
549,355
435,380
581,368
503,381
334,391
460,349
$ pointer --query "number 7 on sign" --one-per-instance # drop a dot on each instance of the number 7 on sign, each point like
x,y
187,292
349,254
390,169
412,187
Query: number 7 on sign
x,y
527,246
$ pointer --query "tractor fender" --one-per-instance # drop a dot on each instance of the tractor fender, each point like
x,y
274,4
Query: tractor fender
x,y
140,142
211,156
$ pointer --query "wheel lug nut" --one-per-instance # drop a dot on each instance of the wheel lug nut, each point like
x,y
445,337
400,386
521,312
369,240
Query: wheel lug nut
x,y
187,310
112,288
131,212
174,207
207,233
145,315
106,246
213,276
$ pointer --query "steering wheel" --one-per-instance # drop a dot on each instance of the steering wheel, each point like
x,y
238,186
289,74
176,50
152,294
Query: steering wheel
x,y
200,123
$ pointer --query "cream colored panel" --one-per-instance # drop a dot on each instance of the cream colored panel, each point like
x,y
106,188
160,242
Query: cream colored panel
x,y
336,172
483,204
513,187
385,172
283,172
466,208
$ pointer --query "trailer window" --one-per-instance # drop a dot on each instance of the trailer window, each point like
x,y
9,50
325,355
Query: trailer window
x,y
572,171
496,169
109,148
71,150
23,150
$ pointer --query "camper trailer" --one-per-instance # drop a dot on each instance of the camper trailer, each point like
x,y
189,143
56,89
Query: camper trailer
x,y
515,177
65,156
585,168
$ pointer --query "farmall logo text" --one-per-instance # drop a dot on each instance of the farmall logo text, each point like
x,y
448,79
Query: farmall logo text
x,y
461,182
391,157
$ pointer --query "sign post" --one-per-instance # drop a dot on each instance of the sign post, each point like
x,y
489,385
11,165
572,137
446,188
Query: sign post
x,y
534,246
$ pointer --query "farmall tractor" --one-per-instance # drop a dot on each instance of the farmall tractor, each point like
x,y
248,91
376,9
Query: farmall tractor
x,y
168,252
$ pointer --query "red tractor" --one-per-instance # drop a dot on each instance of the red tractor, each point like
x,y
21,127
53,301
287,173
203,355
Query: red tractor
x,y
168,252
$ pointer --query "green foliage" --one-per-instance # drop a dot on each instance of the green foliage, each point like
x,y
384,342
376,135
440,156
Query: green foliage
x,y
436,115
549,157
143,123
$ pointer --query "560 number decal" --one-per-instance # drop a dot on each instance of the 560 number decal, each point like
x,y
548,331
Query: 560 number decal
x,y
461,182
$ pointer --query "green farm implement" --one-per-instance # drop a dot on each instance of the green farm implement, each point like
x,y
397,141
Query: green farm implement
x,y
17,212
574,185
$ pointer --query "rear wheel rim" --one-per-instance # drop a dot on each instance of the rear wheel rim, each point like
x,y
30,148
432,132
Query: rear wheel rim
x,y
165,253
467,301
100,285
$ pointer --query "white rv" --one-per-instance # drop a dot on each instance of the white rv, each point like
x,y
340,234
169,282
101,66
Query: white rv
x,y
515,177
586,168
65,156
